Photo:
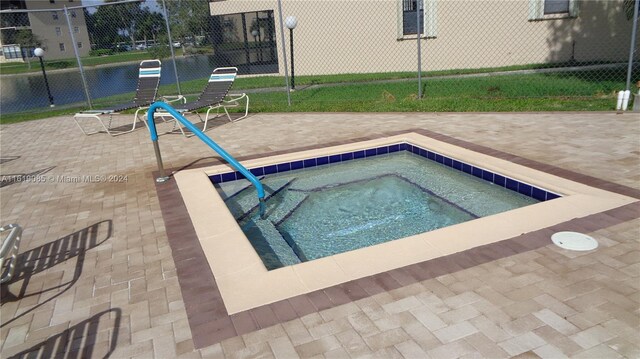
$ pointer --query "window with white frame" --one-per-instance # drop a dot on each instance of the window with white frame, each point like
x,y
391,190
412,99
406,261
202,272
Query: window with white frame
x,y
79,44
417,16
76,29
556,7
54,15
552,9
58,31
62,47
12,52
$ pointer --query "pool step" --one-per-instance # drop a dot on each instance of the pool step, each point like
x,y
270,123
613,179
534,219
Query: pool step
x,y
350,172
270,244
246,201
282,207
233,188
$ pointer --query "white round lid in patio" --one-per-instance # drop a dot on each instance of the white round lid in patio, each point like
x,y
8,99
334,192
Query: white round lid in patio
x,y
574,241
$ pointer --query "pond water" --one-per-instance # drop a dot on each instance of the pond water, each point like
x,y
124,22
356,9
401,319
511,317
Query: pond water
x,y
28,92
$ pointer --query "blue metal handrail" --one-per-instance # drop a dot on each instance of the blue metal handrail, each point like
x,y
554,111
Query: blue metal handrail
x,y
214,146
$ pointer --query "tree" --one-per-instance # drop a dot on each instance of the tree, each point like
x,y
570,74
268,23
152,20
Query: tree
x,y
100,27
26,38
113,21
151,25
27,41
188,19
160,51
111,24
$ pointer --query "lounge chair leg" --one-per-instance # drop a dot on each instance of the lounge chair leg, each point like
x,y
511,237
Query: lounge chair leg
x,y
180,127
235,102
82,129
164,115
136,118
227,112
86,115
206,118
246,109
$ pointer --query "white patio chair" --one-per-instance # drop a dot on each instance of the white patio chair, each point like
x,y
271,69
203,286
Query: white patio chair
x,y
148,81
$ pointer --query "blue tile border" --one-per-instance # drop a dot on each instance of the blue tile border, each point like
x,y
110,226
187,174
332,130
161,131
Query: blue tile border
x,y
526,189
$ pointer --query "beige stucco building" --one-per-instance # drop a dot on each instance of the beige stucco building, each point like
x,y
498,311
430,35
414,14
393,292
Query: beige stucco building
x,y
51,28
359,36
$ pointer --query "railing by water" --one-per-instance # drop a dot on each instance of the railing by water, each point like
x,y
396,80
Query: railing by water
x,y
214,146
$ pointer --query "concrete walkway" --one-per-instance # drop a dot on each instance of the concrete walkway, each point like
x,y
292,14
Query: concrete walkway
x,y
99,277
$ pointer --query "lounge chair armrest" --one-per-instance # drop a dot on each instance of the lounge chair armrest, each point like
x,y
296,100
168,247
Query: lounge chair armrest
x,y
171,99
162,112
232,97
94,112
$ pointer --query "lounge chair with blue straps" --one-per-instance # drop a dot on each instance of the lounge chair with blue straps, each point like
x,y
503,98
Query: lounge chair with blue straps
x,y
215,96
148,81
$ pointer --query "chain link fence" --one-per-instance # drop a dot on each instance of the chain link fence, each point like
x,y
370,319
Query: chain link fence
x,y
350,55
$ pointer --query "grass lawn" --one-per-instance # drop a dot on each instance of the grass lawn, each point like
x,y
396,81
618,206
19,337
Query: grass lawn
x,y
504,93
19,67
534,92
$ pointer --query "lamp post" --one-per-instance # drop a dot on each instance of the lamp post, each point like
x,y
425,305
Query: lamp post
x,y
40,52
291,23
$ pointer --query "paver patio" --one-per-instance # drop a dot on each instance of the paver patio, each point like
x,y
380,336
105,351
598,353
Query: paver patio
x,y
100,277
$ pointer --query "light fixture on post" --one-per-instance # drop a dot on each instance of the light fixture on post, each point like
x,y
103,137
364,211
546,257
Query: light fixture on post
x,y
291,22
40,52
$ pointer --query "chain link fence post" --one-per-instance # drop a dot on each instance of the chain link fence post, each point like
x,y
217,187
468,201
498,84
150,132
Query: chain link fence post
x,y
632,45
173,53
419,33
284,53
77,54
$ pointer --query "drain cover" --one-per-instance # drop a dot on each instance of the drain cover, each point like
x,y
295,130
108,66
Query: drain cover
x,y
574,241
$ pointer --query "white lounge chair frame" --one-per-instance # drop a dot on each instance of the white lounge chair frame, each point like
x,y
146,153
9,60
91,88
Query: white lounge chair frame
x,y
148,81
215,96
9,250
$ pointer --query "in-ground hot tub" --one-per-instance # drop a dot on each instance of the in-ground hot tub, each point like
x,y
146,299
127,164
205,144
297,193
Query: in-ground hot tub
x,y
333,204
247,280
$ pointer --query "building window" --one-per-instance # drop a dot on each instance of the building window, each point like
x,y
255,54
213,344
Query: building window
x,y
54,14
73,13
61,46
8,20
52,1
76,29
556,7
552,9
409,20
11,52
79,44
408,23
58,31
235,44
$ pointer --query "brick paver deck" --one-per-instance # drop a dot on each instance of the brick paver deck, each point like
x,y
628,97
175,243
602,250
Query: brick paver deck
x,y
99,276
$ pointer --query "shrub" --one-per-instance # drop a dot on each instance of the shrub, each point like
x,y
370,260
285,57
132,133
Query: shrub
x,y
101,52
159,52
197,50
59,64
